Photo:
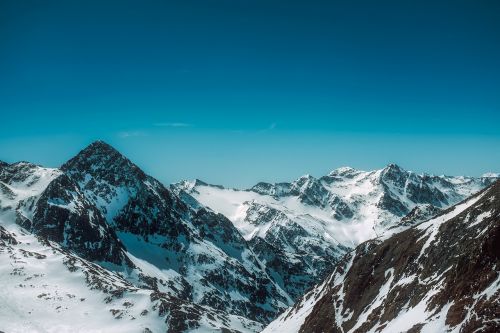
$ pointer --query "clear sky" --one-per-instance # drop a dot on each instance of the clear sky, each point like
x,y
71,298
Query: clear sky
x,y
238,91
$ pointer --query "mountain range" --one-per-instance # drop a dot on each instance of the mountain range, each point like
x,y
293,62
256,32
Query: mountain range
x,y
98,245
302,228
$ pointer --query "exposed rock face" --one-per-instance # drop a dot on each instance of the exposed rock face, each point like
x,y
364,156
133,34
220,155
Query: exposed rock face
x,y
65,216
302,228
440,275
419,214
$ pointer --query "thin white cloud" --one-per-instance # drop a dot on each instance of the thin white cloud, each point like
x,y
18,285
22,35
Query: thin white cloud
x,y
131,134
173,125
269,128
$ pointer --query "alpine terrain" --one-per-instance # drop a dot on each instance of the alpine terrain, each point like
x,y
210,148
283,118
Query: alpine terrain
x,y
97,245
439,276
300,229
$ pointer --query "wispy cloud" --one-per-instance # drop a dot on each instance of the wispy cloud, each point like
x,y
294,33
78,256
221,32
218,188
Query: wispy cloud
x,y
131,134
269,128
173,125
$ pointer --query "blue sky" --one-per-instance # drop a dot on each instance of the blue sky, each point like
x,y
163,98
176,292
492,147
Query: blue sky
x,y
235,92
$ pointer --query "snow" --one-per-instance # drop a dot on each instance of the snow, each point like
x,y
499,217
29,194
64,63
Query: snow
x,y
418,314
382,295
42,295
490,175
234,204
491,290
431,227
110,204
28,190
480,219
292,319
360,190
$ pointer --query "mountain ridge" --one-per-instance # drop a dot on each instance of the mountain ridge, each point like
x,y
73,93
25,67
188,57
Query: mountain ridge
x,y
431,277
301,228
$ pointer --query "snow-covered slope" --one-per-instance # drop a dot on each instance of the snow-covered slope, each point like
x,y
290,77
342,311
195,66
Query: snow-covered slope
x,y
47,289
439,276
300,229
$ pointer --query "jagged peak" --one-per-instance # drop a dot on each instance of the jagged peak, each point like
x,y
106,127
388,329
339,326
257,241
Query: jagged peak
x,y
190,185
19,163
394,167
490,175
342,170
198,182
97,150
100,146
305,180
100,158
306,177
262,184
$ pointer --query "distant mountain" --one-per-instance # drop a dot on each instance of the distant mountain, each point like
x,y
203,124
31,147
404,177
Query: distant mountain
x,y
300,229
439,276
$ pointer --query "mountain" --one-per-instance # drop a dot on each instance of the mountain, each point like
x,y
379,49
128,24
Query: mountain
x,y
441,275
99,245
299,230
101,208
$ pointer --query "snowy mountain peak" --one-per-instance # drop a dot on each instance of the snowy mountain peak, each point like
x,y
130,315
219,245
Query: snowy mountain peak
x,y
393,169
342,171
101,157
393,166
100,145
490,175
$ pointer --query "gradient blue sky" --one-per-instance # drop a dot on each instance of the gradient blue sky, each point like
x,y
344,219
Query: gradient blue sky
x,y
238,91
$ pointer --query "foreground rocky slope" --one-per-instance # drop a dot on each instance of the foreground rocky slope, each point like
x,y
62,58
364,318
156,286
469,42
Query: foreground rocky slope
x,y
439,276
301,229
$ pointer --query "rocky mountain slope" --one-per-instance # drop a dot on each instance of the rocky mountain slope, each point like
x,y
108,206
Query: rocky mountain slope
x,y
102,208
439,276
300,229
